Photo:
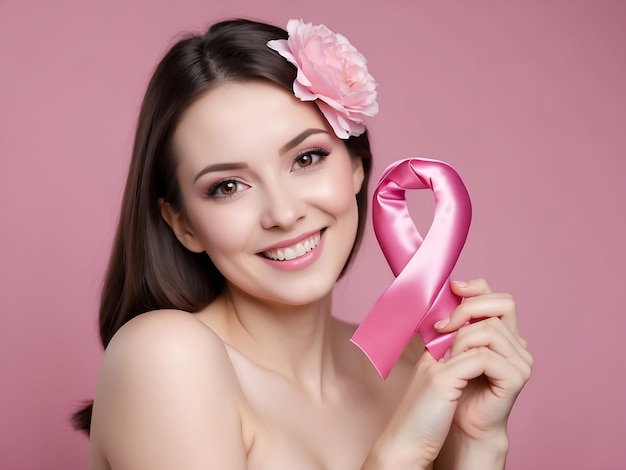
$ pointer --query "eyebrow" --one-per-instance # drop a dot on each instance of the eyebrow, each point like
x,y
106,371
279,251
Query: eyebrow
x,y
240,165
220,167
299,138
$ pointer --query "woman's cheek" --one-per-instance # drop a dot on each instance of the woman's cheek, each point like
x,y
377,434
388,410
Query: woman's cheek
x,y
337,192
226,229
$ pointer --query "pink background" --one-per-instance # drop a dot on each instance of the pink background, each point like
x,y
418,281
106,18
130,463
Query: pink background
x,y
526,99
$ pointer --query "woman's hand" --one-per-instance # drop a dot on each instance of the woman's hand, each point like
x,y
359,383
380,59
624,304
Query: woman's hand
x,y
480,420
463,401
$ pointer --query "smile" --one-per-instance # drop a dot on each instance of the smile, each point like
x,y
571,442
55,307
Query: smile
x,y
294,251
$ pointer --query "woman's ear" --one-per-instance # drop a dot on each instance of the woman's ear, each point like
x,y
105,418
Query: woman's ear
x,y
358,174
180,227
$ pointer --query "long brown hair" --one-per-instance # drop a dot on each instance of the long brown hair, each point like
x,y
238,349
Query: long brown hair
x,y
149,268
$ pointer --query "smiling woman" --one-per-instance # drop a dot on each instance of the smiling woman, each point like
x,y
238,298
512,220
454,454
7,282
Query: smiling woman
x,y
245,201
268,174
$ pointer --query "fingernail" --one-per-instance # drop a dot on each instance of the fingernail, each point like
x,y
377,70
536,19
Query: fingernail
x,y
461,283
442,323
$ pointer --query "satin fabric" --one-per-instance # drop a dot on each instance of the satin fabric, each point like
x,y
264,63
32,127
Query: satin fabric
x,y
420,295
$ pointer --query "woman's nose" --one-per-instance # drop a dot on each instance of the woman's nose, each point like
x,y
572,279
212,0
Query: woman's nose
x,y
283,206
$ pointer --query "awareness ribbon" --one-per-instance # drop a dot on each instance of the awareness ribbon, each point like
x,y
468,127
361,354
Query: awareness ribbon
x,y
420,295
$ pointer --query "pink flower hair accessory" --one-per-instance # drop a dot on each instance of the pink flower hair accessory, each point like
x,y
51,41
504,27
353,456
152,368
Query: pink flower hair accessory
x,y
332,73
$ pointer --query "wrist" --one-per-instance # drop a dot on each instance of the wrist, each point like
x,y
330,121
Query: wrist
x,y
399,453
465,453
385,458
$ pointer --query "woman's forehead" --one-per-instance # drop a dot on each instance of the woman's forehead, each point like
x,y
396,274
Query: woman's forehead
x,y
236,121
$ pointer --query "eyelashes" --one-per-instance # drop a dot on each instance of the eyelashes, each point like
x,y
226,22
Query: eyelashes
x,y
309,158
225,188
231,187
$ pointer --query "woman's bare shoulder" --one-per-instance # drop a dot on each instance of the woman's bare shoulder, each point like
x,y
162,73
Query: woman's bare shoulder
x,y
166,377
168,325
165,337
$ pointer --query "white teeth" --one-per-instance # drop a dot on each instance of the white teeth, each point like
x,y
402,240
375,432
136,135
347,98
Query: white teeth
x,y
290,254
295,251
300,250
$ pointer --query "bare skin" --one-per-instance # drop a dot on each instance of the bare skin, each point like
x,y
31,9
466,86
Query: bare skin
x,y
264,377
286,421
255,415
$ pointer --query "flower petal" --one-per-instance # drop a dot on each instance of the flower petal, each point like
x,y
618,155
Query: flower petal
x,y
332,72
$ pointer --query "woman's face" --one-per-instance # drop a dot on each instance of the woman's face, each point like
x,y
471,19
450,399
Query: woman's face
x,y
268,190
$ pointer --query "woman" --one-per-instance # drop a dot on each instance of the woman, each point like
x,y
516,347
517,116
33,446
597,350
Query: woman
x,y
243,205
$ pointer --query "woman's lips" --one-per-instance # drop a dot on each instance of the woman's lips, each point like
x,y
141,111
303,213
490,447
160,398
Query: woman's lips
x,y
295,250
299,255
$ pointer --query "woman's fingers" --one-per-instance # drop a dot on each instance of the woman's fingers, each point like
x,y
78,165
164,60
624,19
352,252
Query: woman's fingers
x,y
471,288
491,333
479,303
497,329
452,376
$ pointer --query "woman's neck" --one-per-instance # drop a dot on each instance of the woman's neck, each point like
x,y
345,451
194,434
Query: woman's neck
x,y
297,342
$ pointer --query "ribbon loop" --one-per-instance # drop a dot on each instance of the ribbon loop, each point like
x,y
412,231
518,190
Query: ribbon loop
x,y
420,295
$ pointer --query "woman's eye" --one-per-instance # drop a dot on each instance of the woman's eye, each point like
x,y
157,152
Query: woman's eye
x,y
309,158
226,188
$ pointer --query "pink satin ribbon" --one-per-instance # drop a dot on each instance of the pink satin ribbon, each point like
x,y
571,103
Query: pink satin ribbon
x,y
420,295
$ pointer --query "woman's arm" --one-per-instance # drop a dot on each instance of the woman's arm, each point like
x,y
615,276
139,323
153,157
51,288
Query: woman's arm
x,y
168,398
